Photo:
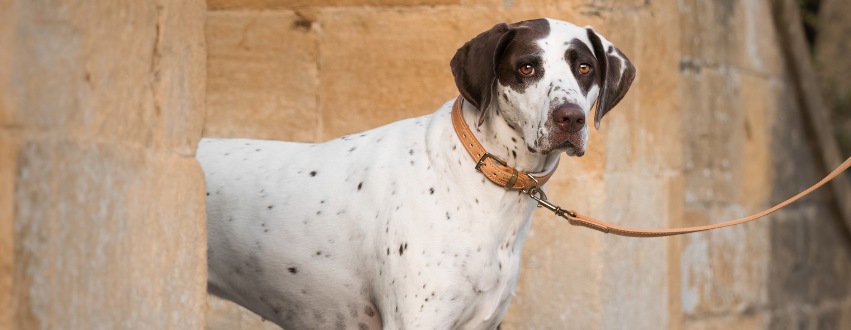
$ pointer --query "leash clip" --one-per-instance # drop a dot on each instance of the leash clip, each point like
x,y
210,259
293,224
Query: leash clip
x,y
539,196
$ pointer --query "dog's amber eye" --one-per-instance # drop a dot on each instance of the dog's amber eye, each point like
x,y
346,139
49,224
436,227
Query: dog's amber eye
x,y
527,69
584,68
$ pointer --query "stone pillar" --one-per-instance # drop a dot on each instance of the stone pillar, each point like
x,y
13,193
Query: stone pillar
x,y
102,217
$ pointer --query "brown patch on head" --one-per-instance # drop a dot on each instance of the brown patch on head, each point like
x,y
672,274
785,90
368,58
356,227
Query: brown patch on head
x,y
617,74
474,65
523,49
576,54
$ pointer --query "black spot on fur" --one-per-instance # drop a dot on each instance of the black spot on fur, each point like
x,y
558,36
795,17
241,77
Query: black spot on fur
x,y
293,270
313,173
369,312
360,185
270,207
431,190
362,326
401,249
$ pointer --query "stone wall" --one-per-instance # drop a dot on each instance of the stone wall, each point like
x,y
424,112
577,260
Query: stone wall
x,y
102,218
102,204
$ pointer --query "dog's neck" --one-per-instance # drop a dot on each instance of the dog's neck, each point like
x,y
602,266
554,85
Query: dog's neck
x,y
505,142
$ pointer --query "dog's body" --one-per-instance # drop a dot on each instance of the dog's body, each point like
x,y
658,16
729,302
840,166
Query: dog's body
x,y
393,228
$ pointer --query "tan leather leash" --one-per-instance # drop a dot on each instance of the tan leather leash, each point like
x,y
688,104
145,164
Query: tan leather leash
x,y
507,177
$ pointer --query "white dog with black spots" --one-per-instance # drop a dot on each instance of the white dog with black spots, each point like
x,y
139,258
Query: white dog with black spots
x,y
393,228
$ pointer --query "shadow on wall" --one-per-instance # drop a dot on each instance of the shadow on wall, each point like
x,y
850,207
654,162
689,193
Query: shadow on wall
x,y
828,27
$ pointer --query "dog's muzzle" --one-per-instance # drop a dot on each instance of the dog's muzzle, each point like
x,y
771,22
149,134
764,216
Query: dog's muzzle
x,y
569,120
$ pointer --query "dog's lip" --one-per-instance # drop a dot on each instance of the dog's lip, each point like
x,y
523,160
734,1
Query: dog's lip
x,y
570,143
571,149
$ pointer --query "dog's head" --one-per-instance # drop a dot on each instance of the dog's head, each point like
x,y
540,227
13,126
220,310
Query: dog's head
x,y
544,76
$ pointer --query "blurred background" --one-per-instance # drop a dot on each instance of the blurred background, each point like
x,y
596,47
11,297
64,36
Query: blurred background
x,y
737,106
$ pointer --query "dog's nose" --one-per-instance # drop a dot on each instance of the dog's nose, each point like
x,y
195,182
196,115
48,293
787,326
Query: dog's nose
x,y
569,117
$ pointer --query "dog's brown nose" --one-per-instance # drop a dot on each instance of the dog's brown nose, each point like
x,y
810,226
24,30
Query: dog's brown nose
x,y
569,117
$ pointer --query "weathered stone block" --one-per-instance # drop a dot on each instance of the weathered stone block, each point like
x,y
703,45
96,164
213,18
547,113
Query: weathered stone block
x,y
712,115
286,4
263,76
106,238
135,74
805,265
793,166
101,204
634,270
724,271
729,117
642,130
738,34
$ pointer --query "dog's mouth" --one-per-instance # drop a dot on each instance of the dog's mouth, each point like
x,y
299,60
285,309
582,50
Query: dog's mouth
x,y
571,143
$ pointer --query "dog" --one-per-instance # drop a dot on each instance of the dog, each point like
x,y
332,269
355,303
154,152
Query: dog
x,y
394,228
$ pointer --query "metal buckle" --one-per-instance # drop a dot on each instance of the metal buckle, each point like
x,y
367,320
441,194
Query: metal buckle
x,y
486,156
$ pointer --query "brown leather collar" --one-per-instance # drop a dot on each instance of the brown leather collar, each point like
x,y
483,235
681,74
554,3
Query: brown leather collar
x,y
493,168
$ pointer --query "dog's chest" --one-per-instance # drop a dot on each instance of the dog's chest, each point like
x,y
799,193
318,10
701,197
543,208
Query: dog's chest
x,y
449,242
456,264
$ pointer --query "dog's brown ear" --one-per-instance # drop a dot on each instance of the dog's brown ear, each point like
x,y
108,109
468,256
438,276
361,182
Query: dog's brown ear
x,y
474,66
616,74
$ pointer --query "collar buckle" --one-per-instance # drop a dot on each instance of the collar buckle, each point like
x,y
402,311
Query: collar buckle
x,y
486,156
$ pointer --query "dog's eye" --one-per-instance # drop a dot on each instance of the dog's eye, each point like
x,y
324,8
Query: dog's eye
x,y
527,69
584,68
